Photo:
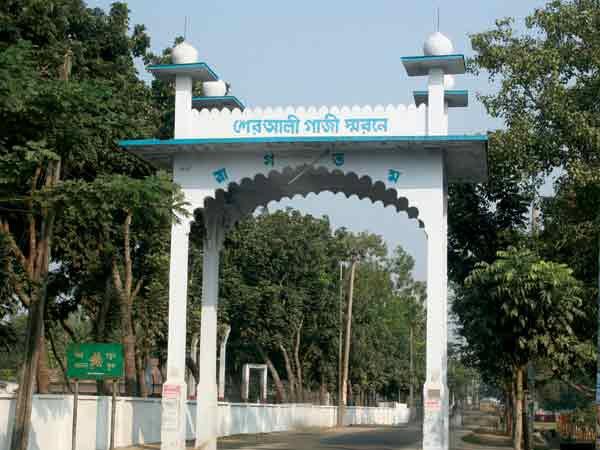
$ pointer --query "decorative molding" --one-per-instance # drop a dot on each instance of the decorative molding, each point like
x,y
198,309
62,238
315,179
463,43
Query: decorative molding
x,y
240,199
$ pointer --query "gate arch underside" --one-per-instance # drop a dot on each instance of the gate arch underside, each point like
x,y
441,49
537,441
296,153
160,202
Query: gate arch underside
x,y
241,198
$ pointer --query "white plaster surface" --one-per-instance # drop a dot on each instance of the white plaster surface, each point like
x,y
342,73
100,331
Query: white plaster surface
x,y
401,120
138,420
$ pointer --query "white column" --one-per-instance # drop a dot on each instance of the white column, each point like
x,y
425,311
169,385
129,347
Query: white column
x,y
206,397
446,398
222,362
435,390
245,382
183,106
263,385
175,388
436,120
445,129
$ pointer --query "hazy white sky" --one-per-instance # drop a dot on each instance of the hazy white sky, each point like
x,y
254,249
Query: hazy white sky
x,y
334,52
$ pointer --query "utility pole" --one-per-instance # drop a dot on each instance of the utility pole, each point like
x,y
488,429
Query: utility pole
x,y
348,329
530,393
340,421
411,385
598,359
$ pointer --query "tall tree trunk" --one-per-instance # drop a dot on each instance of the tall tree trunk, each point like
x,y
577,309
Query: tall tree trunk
x,y
128,341
59,361
279,389
141,373
127,294
411,385
37,266
350,394
513,405
300,390
193,367
104,309
348,335
322,391
508,411
598,353
290,373
518,443
102,386
43,371
340,342
20,435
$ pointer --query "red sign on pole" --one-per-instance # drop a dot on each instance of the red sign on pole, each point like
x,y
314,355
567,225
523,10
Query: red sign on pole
x,y
171,391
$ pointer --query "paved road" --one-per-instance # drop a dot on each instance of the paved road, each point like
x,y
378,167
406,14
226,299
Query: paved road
x,y
351,438
405,437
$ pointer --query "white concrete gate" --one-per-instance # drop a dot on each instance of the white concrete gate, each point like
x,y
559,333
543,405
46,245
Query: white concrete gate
x,y
230,161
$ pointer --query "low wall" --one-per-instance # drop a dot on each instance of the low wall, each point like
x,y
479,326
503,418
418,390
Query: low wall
x,y
138,420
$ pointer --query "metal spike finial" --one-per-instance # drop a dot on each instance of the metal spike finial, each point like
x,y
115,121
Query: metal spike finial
x,y
438,20
185,27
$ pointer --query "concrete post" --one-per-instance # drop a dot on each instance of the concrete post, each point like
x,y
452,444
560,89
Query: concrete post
x,y
183,106
206,396
175,388
263,385
435,391
245,382
437,123
222,361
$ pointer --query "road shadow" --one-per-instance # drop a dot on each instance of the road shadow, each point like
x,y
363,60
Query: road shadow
x,y
372,437
349,438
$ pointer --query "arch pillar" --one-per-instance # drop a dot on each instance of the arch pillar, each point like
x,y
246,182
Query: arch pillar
x,y
207,394
175,388
435,389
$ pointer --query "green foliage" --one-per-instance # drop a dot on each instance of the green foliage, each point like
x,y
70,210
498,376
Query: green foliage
x,y
279,273
279,288
486,218
548,84
517,309
548,81
69,91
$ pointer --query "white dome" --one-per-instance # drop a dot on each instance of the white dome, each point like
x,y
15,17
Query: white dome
x,y
214,88
449,82
438,45
184,53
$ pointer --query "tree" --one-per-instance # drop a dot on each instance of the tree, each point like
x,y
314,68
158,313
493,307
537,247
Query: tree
x,y
515,310
549,78
69,92
278,292
126,235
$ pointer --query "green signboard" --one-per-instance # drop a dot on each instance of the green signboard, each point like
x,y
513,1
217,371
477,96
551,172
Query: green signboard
x,y
94,361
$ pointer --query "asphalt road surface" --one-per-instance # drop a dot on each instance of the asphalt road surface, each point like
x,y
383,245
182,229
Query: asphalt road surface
x,y
407,437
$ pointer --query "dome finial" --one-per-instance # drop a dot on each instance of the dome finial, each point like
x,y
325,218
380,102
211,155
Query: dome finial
x,y
184,53
438,45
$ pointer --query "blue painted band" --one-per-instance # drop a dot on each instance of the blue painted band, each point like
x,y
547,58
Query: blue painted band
x,y
186,68
200,141
433,58
225,98
446,92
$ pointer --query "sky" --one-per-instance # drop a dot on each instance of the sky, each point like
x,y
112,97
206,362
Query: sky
x,y
331,52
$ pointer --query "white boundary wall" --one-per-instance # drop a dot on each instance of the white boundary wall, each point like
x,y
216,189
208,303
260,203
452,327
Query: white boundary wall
x,y
138,420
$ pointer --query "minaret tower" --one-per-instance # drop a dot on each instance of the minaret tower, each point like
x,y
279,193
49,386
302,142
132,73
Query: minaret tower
x,y
440,63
